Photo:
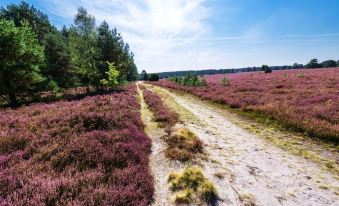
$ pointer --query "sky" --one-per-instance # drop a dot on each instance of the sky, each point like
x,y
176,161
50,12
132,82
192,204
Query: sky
x,y
171,35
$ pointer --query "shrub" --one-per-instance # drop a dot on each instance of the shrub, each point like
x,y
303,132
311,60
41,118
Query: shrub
x,y
266,69
153,77
190,79
162,113
224,81
12,143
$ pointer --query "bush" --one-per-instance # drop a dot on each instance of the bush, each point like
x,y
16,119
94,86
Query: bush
x,y
162,114
153,77
266,69
190,79
224,81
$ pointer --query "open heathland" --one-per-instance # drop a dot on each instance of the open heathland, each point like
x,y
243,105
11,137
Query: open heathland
x,y
91,151
305,100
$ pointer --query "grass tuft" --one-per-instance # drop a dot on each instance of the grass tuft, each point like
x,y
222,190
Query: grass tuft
x,y
183,145
191,184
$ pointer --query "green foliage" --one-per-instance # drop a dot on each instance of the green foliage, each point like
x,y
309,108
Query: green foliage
x,y
113,75
83,47
153,77
23,12
297,66
144,75
328,63
21,58
191,79
224,81
313,63
74,56
266,69
57,57
58,68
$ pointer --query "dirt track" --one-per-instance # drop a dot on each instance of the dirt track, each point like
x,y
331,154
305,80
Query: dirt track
x,y
253,168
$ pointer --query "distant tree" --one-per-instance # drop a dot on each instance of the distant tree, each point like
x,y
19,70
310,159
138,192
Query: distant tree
x,y
112,80
144,75
328,63
21,58
338,63
297,66
153,77
313,63
266,69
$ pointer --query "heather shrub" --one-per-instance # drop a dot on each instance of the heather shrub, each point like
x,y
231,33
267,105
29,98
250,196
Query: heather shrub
x,y
162,114
11,144
92,151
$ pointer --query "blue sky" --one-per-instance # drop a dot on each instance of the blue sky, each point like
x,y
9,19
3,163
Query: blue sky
x,y
168,35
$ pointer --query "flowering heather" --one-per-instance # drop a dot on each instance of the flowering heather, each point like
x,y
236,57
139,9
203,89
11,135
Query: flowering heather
x,y
162,114
303,100
88,152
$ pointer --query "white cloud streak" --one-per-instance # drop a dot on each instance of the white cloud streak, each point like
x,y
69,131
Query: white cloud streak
x,y
169,35
155,29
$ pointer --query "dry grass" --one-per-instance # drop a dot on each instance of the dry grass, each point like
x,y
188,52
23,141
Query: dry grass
x,y
183,145
191,185
247,199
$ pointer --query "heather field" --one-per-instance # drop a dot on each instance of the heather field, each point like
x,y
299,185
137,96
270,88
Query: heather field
x,y
302,100
163,115
92,151
96,108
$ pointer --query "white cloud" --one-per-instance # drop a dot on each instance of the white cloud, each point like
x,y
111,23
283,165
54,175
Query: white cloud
x,y
171,35
155,29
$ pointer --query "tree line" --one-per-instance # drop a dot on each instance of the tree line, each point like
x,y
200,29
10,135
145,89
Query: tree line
x,y
313,63
36,56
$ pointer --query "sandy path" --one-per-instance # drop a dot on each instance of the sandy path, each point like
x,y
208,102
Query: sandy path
x,y
160,166
253,166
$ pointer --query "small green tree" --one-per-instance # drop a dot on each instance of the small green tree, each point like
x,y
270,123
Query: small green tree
x,y
224,81
266,69
144,75
313,63
113,75
154,77
21,58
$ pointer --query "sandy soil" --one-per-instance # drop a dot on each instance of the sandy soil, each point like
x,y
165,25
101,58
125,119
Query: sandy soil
x,y
245,166
160,166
